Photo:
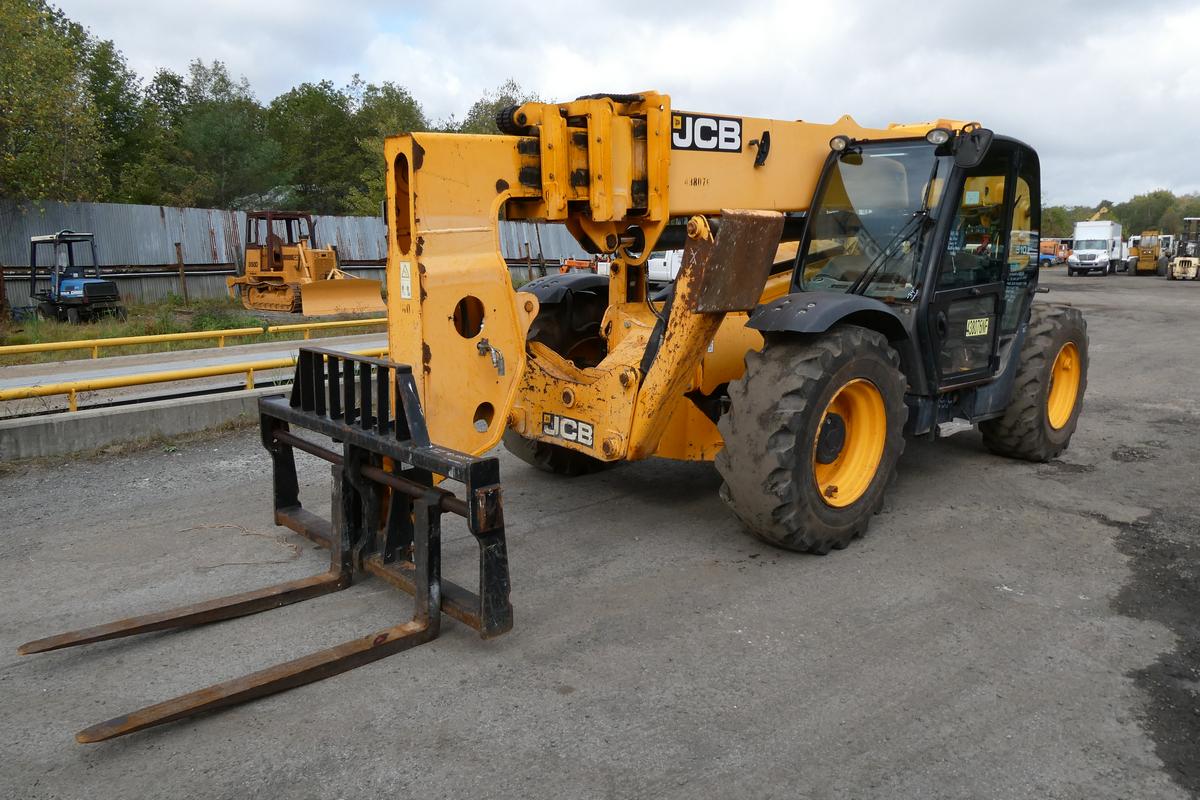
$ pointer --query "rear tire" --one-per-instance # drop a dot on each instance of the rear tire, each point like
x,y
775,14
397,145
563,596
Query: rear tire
x,y
1027,430
777,422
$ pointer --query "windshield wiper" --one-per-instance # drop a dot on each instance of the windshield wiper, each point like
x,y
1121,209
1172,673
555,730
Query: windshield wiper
x,y
901,236
920,216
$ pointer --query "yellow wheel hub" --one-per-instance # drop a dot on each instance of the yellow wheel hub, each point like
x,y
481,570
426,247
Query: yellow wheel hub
x,y
849,443
1064,386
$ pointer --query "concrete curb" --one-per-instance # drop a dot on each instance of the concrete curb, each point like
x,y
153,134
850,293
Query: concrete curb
x,y
82,431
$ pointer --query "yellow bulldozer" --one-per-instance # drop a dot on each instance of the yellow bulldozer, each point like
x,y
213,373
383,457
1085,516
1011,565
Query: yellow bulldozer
x,y
842,288
285,270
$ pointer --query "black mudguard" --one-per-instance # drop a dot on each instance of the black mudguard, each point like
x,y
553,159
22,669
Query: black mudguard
x,y
817,312
553,288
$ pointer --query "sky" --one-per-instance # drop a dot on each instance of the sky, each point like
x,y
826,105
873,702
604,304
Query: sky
x,y
1107,91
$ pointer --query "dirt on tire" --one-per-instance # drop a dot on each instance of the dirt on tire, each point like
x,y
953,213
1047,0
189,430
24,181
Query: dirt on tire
x,y
1024,430
776,408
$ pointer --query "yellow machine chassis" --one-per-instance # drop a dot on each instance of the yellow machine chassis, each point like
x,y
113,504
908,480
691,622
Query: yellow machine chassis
x,y
607,170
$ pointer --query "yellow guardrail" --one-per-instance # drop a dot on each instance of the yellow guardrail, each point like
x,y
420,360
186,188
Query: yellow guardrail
x,y
221,335
72,388
309,327
117,341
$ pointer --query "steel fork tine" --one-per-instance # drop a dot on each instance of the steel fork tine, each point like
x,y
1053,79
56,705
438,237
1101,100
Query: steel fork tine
x,y
307,669
424,627
221,608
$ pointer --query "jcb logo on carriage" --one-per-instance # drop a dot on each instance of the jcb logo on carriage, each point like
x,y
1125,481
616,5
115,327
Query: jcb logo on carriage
x,y
567,429
696,132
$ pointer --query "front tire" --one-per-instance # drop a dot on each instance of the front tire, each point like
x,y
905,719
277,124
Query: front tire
x,y
812,437
1048,394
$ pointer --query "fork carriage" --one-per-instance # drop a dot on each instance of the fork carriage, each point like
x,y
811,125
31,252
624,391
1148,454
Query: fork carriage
x,y
386,513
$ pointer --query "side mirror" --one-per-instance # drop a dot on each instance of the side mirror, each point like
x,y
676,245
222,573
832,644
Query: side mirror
x,y
971,147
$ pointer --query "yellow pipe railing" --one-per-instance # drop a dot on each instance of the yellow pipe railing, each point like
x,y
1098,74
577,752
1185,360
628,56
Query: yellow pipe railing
x,y
72,388
308,327
118,341
155,338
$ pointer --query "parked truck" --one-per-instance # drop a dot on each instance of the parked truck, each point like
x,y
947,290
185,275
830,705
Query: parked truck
x,y
1098,248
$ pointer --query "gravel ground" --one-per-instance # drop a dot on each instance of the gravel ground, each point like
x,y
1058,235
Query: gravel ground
x,y
1006,630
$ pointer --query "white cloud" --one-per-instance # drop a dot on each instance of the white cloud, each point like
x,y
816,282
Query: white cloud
x,y
1107,91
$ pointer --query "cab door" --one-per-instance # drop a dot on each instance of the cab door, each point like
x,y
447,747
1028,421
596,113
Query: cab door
x,y
963,316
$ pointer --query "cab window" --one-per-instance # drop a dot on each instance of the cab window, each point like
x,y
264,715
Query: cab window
x,y
976,249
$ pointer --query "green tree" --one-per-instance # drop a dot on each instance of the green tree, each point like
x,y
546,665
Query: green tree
x,y
481,118
1144,211
223,134
1171,221
162,173
115,91
383,111
1056,222
320,157
51,136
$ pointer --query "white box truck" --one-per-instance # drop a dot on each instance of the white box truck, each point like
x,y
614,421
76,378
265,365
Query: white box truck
x,y
1098,248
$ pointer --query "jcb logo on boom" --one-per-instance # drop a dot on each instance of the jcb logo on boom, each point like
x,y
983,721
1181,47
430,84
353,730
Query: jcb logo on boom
x,y
696,132
567,429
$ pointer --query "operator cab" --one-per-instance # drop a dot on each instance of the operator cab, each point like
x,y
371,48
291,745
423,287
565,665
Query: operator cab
x,y
945,243
274,230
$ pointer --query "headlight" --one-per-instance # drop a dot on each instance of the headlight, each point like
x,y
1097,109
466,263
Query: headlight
x,y
938,136
1073,260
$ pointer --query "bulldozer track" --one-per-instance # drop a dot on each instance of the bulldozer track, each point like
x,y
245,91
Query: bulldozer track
x,y
272,297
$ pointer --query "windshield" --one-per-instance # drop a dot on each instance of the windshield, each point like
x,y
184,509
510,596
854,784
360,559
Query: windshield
x,y
867,228
1091,244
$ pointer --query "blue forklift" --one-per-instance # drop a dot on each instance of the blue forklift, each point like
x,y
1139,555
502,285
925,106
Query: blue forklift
x,y
72,296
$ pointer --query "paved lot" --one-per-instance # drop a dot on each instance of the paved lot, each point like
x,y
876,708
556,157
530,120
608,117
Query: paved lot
x,y
1007,630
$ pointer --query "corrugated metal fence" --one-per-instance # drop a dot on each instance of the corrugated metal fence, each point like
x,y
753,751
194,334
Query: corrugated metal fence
x,y
145,236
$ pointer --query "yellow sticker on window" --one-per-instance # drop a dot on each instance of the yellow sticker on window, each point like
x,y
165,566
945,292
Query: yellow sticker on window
x,y
977,327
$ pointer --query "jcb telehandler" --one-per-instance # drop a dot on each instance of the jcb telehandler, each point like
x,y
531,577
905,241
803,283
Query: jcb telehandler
x,y
841,288
285,270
